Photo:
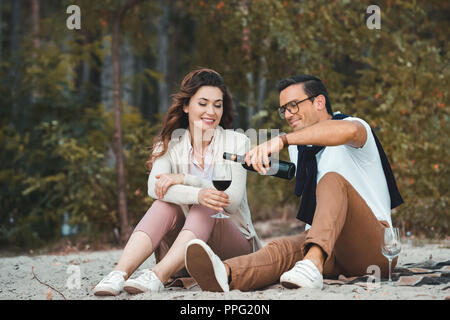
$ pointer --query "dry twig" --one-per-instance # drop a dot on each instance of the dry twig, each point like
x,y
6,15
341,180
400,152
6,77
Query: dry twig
x,y
34,275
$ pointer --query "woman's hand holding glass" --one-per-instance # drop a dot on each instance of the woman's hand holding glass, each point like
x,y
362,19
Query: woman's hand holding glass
x,y
210,198
213,199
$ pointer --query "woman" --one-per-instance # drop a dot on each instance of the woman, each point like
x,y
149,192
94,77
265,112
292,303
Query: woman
x,y
191,141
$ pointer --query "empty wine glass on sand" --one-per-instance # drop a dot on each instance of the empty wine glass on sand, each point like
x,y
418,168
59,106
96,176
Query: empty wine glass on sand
x,y
391,246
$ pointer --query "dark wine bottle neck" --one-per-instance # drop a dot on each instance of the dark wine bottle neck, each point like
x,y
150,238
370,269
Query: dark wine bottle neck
x,y
233,157
282,169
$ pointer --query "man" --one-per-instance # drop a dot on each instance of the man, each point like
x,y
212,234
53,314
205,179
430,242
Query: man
x,y
347,190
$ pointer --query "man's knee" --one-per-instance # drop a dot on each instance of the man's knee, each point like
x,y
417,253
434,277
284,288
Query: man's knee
x,y
332,180
332,177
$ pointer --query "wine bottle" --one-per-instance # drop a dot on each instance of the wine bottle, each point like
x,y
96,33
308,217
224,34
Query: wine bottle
x,y
280,169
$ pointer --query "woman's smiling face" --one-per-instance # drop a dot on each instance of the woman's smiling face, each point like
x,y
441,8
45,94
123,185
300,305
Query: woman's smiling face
x,y
205,108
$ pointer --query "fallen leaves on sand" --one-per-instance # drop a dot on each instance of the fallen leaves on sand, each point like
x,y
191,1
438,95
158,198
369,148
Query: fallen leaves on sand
x,y
49,295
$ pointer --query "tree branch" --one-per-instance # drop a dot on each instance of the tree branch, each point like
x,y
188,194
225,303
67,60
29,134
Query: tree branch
x,y
34,275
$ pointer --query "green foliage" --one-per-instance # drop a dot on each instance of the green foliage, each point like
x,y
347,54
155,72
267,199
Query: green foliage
x,y
55,173
56,134
396,78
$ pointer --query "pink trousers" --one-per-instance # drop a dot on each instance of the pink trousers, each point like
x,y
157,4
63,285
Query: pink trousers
x,y
164,221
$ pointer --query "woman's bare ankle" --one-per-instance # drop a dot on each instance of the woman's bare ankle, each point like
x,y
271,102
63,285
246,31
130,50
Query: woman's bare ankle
x,y
161,276
128,273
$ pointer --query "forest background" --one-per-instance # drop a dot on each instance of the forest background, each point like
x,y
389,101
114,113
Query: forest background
x,y
79,108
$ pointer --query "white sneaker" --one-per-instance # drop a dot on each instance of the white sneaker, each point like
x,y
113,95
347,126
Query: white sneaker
x,y
303,275
205,267
147,281
111,285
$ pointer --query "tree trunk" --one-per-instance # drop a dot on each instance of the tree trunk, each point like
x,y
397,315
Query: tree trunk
x,y
35,6
127,62
85,66
106,76
15,30
162,63
139,102
1,39
14,74
120,165
261,89
246,48
250,99
261,84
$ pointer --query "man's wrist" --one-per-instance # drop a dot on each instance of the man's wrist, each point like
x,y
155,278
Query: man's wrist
x,y
284,140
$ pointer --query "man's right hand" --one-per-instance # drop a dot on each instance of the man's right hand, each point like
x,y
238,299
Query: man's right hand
x,y
213,199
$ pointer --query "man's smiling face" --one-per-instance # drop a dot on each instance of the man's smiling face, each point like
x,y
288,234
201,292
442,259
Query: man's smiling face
x,y
306,115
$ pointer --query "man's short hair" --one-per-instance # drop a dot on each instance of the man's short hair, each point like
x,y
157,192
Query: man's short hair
x,y
311,85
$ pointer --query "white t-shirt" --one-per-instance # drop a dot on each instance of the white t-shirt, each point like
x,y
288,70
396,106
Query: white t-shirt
x,y
361,167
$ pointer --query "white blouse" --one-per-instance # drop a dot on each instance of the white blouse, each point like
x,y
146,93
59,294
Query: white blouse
x,y
208,163
177,160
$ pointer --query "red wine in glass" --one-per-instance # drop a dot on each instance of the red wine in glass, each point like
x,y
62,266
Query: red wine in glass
x,y
221,180
221,185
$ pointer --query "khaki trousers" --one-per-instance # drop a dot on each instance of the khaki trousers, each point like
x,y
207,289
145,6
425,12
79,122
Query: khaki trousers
x,y
343,226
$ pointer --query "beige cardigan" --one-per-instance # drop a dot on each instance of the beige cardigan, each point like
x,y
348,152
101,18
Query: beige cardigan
x,y
176,160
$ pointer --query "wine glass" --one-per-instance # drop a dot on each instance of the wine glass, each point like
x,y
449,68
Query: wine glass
x,y
391,246
221,180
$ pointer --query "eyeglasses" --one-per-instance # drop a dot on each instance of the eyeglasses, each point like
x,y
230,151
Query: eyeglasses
x,y
292,106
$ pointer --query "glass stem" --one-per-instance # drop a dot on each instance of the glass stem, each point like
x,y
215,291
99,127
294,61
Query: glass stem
x,y
390,262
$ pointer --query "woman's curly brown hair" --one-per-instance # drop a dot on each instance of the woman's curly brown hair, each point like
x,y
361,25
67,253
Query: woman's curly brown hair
x,y
176,118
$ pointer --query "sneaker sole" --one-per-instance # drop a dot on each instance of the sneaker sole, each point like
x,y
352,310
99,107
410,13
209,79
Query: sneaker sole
x,y
202,272
290,285
134,289
103,293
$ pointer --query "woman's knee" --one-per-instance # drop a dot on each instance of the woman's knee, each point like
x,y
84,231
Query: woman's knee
x,y
166,208
201,215
161,217
200,222
200,209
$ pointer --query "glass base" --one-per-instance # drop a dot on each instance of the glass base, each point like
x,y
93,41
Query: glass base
x,y
220,215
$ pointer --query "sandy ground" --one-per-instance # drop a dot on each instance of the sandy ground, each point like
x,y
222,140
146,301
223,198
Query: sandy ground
x,y
64,272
